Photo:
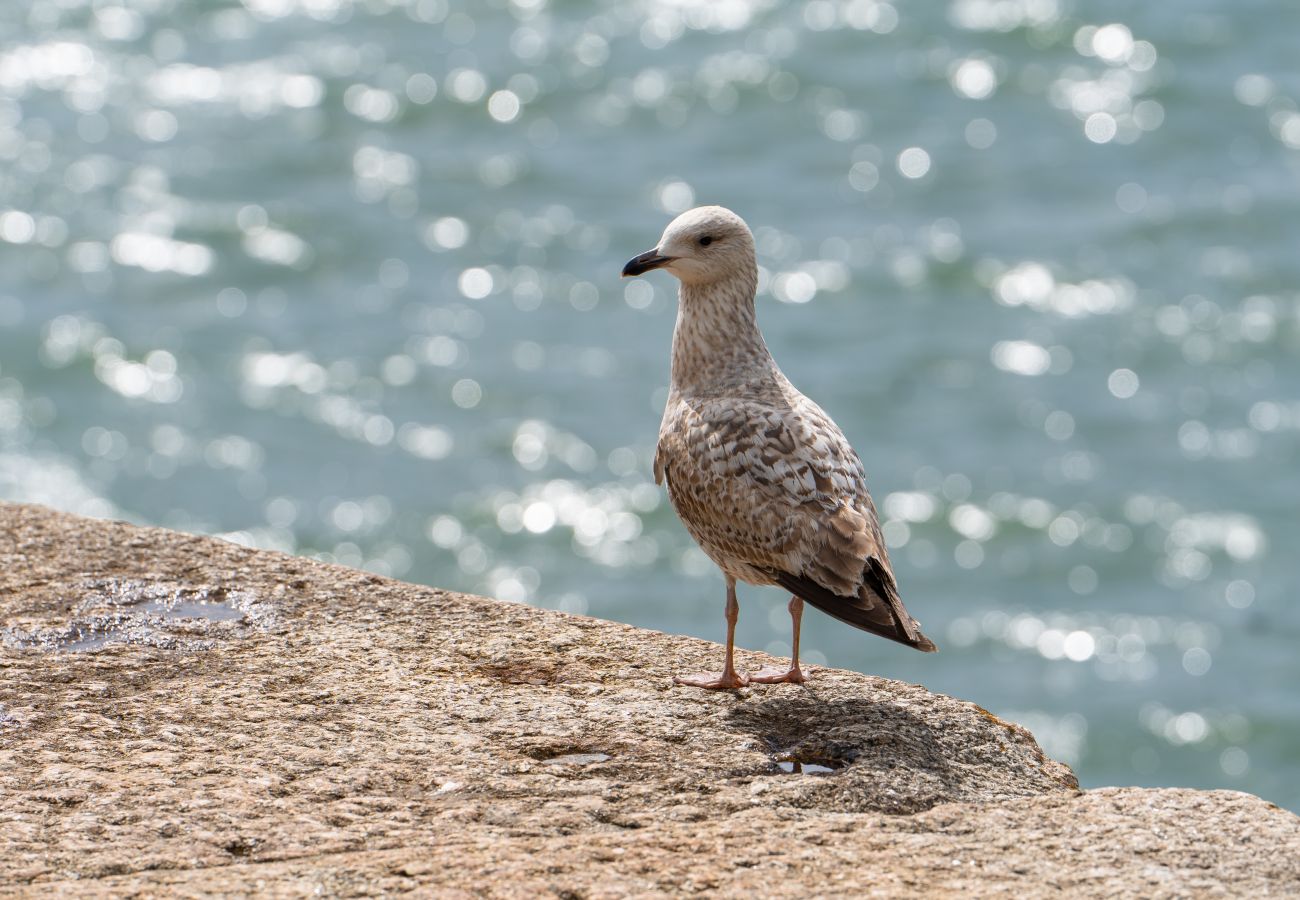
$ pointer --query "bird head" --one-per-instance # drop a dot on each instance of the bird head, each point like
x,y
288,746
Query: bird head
x,y
702,245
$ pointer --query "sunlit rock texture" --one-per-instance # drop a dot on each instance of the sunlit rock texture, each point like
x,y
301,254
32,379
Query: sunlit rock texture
x,y
183,715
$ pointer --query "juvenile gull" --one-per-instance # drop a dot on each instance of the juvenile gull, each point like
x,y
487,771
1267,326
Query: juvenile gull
x,y
763,479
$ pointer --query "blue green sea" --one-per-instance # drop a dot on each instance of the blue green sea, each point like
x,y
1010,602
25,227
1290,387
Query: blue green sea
x,y
341,278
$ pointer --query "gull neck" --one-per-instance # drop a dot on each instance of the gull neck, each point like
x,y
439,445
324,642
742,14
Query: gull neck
x,y
716,342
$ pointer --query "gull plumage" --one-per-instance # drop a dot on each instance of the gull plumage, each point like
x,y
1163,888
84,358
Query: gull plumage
x,y
764,480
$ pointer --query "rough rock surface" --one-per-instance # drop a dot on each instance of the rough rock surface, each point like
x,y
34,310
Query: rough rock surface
x,y
182,716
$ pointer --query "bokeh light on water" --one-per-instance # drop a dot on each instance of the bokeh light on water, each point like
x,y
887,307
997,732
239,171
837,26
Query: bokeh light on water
x,y
340,278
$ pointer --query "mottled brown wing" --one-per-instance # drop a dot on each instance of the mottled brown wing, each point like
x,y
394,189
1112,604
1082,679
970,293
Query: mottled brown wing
x,y
723,484
781,491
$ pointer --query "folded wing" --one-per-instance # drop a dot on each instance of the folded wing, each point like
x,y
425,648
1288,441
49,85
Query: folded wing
x,y
779,491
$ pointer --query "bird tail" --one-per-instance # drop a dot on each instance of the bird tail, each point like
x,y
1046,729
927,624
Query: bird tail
x,y
871,610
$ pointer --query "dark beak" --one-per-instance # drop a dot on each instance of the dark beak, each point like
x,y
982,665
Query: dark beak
x,y
651,259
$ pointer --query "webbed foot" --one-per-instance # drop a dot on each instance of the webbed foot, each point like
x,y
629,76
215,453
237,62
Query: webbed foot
x,y
773,675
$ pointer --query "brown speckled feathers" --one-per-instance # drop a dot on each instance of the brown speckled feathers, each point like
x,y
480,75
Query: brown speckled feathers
x,y
776,496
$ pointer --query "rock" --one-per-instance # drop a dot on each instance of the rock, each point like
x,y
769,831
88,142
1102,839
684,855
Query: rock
x,y
182,715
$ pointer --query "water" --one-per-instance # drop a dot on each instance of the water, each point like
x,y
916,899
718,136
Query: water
x,y
154,613
795,767
341,278
577,759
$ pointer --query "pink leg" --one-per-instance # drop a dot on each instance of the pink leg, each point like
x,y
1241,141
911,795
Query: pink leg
x,y
793,675
729,679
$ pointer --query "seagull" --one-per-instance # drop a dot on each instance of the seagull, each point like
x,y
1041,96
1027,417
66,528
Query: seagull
x,y
763,480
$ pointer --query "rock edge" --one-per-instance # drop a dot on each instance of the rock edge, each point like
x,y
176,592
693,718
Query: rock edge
x,y
242,721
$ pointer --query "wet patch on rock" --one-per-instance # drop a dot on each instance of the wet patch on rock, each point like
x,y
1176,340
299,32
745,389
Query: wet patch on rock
x,y
7,719
577,759
799,767
564,753
164,614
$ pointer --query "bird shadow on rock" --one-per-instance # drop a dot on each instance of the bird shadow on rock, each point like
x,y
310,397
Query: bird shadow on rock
x,y
882,756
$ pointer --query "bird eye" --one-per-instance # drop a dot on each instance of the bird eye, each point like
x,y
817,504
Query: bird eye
x,y
706,240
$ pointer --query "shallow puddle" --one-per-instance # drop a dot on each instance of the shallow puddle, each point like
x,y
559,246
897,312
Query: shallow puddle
x,y
576,759
794,767
195,611
160,614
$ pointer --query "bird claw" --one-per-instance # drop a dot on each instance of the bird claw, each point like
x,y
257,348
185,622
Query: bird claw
x,y
770,675
714,681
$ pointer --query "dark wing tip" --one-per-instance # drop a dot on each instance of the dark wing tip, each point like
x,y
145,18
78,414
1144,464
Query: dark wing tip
x,y
879,618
